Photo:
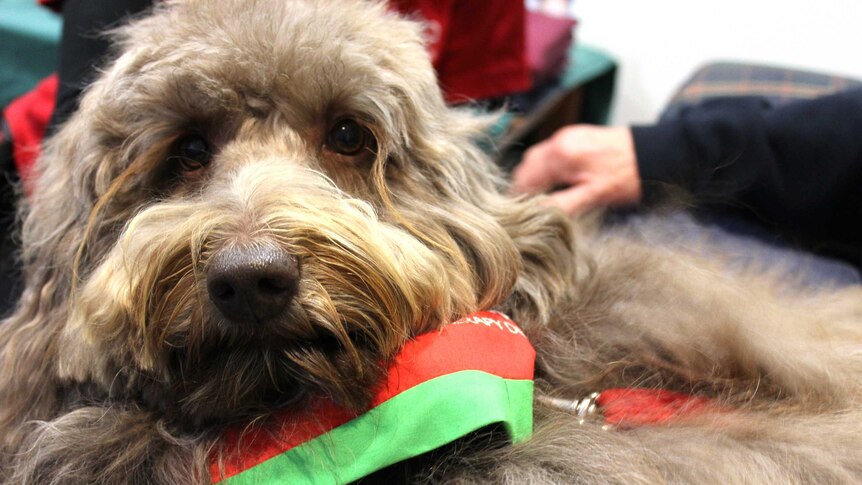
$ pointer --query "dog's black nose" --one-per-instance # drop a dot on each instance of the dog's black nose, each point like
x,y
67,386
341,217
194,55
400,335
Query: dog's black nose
x,y
252,284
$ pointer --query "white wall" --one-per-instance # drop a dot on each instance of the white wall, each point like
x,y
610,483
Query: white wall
x,y
659,43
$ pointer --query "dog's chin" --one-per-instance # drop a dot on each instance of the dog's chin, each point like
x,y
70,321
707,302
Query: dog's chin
x,y
243,380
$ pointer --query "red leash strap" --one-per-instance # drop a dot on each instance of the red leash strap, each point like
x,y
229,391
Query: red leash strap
x,y
631,407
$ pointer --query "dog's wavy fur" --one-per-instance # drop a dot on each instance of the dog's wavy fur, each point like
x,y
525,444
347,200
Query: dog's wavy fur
x,y
115,367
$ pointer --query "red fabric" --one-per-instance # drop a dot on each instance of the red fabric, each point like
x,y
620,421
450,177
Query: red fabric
x,y
478,47
640,407
548,42
27,118
485,341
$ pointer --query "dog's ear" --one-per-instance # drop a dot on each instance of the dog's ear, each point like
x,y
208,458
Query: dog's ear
x,y
77,174
56,212
55,215
505,249
520,254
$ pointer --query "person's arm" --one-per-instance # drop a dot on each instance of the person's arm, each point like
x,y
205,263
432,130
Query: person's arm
x,y
797,167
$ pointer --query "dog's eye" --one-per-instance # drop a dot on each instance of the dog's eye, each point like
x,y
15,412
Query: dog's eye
x,y
192,153
349,138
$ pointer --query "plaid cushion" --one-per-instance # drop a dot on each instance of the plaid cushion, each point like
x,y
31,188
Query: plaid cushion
x,y
778,85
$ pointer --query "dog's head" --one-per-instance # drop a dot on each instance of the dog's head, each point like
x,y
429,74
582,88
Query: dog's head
x,y
262,200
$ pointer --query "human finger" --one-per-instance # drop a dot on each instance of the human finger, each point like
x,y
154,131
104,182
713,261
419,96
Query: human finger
x,y
575,199
534,173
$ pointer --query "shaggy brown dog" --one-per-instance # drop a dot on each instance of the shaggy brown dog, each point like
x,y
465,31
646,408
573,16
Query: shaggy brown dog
x,y
261,201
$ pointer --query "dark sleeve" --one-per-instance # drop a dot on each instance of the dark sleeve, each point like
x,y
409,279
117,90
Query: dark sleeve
x,y
797,167
83,47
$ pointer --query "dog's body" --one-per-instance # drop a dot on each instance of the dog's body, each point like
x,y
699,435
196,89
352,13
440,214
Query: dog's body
x,y
308,137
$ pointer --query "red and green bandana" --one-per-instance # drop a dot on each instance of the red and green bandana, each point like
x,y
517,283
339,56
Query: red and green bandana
x,y
441,386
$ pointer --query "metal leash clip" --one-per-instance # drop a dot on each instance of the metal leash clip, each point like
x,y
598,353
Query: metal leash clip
x,y
582,408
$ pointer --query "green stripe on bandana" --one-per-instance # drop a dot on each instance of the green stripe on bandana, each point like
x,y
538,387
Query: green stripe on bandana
x,y
400,428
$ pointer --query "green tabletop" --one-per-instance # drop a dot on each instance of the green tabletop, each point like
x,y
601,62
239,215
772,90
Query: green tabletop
x,y
29,35
595,69
588,69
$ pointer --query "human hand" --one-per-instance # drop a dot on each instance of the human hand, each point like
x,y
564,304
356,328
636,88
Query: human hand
x,y
597,163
